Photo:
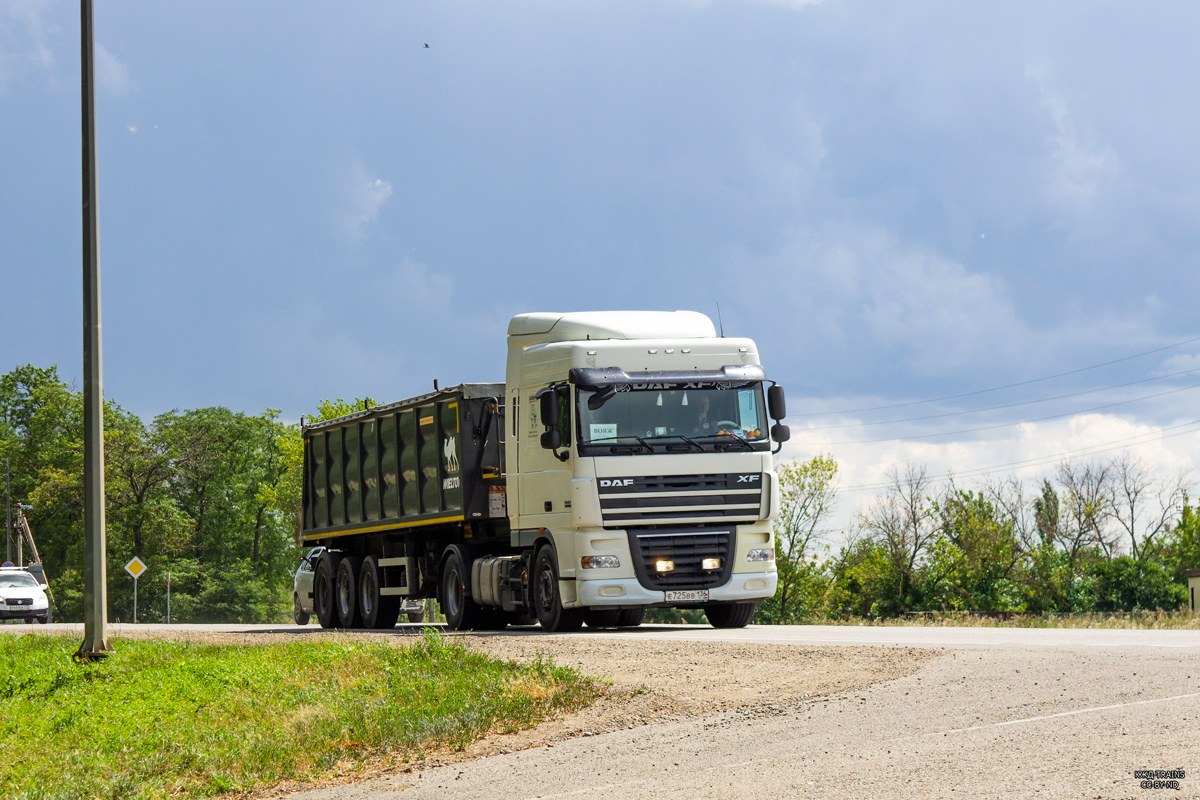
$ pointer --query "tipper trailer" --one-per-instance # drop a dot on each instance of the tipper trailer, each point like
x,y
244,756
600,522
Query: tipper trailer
x,y
625,463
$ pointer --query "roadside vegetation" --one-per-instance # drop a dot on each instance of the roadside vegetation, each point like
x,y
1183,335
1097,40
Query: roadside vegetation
x,y
168,719
210,496
1099,543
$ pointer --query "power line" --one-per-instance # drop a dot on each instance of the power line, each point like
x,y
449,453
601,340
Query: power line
x,y
1001,388
1103,447
1007,405
1011,424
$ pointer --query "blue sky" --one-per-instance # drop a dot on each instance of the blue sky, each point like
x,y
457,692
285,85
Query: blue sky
x,y
298,200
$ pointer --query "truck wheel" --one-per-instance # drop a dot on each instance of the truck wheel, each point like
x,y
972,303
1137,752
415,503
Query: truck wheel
x,y
453,596
298,614
323,591
602,618
729,615
546,600
346,592
377,610
631,617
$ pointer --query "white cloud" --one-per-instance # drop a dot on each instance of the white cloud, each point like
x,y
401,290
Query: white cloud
x,y
849,280
1029,451
363,195
1081,167
111,75
23,35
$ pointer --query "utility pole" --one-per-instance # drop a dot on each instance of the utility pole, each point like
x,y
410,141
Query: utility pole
x,y
7,515
95,598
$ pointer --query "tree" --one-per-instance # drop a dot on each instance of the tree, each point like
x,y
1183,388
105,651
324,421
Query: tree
x,y
1145,507
1087,506
975,556
904,523
807,497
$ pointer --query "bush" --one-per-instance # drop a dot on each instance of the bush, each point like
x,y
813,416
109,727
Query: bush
x,y
1123,584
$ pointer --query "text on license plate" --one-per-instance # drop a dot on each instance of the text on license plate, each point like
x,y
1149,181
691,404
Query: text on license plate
x,y
688,596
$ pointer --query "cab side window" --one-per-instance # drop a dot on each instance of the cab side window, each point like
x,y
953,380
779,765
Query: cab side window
x,y
564,415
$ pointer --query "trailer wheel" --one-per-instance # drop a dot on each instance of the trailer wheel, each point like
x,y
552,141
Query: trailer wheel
x,y
346,592
378,611
602,618
729,615
631,617
323,591
299,614
546,600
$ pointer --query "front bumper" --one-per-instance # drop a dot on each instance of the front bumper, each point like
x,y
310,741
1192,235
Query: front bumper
x,y
22,612
742,587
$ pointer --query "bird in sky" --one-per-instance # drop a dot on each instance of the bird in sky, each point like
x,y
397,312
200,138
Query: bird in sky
x,y
427,45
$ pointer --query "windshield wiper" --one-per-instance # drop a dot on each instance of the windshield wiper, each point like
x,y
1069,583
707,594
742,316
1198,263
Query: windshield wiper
x,y
640,441
730,436
690,441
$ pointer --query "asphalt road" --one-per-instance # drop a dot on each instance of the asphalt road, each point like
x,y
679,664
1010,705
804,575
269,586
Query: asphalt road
x,y
808,635
1000,712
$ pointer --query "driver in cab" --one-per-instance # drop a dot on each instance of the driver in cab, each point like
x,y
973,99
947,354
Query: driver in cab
x,y
703,423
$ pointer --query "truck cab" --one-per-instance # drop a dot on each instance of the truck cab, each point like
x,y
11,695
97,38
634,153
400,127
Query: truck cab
x,y
640,454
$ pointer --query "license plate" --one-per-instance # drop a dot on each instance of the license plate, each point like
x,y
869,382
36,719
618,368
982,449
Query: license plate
x,y
688,596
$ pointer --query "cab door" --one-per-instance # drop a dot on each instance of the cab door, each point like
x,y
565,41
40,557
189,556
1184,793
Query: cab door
x,y
545,490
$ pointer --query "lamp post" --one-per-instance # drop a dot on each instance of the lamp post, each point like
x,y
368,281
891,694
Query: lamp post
x,y
95,599
7,514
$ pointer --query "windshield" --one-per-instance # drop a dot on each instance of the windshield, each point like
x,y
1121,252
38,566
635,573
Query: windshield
x,y
17,580
624,414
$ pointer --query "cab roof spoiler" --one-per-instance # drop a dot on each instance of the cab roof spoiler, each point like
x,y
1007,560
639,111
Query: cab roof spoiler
x,y
594,378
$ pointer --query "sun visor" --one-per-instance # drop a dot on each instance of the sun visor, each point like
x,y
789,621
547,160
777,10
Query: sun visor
x,y
592,378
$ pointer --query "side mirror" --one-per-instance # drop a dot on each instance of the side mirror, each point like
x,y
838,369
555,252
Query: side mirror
x,y
549,408
601,397
776,403
552,439
780,432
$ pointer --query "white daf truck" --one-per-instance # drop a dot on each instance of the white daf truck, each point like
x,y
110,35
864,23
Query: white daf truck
x,y
624,464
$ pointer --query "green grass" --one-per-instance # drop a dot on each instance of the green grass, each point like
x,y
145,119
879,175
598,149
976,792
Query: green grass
x,y
167,719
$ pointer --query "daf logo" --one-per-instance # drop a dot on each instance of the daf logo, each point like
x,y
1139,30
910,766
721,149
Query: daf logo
x,y
616,482
748,478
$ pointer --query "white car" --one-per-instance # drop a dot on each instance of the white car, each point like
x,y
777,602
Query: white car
x,y
302,594
22,597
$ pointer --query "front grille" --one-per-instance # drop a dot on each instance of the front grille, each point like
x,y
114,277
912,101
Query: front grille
x,y
687,548
19,601
650,500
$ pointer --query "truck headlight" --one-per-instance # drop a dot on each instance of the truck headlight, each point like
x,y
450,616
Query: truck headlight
x,y
762,554
710,563
599,562
663,565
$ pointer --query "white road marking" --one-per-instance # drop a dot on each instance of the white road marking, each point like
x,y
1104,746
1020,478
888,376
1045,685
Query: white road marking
x,y
1024,720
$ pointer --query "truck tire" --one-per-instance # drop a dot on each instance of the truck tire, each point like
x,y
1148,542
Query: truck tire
x,y
631,617
602,618
729,615
324,603
546,600
377,610
346,592
462,613
298,614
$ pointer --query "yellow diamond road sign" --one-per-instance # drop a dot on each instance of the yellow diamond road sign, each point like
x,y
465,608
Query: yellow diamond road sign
x,y
135,567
